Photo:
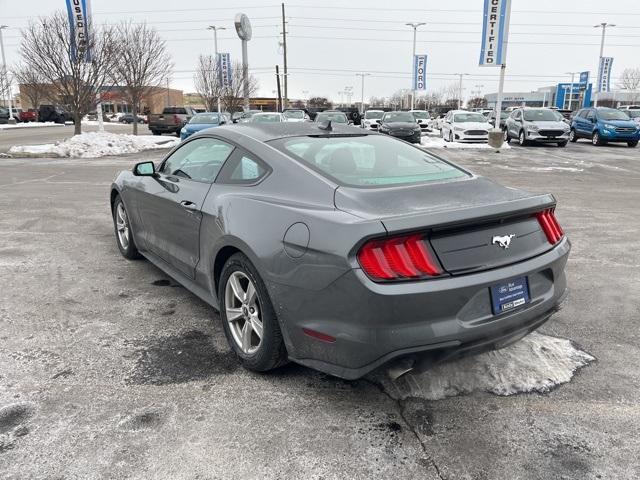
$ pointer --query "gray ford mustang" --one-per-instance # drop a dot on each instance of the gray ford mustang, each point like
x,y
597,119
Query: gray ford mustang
x,y
342,249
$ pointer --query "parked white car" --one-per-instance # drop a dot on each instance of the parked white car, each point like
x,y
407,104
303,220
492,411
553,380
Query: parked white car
x,y
266,117
371,119
423,118
295,116
464,126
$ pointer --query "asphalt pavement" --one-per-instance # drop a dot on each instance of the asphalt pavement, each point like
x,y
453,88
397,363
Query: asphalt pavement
x,y
109,369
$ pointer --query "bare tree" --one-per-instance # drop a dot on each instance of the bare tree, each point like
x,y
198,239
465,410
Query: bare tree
x,y
47,48
6,81
206,82
142,63
319,102
477,102
34,86
630,79
232,95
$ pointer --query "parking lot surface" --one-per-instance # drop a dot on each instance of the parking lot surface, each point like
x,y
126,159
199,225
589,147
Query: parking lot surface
x,y
109,369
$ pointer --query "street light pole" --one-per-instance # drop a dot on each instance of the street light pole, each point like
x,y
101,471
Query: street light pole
x,y
413,59
604,26
573,75
215,50
460,87
5,73
362,75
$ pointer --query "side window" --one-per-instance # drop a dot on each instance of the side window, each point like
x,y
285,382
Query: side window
x,y
242,169
198,160
590,115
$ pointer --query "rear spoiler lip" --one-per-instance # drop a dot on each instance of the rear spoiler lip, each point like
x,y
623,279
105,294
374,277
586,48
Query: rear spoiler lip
x,y
463,215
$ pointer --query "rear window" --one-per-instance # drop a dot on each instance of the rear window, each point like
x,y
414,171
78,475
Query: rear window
x,y
175,111
368,160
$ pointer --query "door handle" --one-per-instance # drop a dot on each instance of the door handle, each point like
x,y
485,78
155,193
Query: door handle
x,y
188,205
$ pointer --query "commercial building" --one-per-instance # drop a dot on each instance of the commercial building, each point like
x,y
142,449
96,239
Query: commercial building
x,y
113,98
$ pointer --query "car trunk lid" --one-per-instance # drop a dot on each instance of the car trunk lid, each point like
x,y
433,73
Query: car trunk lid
x,y
472,224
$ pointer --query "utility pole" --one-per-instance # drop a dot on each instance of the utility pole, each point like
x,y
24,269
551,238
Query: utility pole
x,y
460,90
362,75
413,60
573,76
279,91
215,57
5,73
604,26
284,51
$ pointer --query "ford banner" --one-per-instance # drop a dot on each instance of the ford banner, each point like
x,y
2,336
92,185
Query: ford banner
x,y
419,72
495,32
79,17
604,74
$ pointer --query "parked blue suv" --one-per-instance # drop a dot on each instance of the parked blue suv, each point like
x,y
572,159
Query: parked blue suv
x,y
602,125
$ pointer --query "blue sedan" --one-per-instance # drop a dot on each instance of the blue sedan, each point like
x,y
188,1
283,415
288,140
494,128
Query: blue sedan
x,y
201,121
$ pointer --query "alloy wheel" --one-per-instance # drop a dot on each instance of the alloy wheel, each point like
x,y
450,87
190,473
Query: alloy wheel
x,y
572,135
122,226
596,139
521,139
506,135
243,315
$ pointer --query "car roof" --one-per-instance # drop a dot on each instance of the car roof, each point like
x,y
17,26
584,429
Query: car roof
x,y
265,132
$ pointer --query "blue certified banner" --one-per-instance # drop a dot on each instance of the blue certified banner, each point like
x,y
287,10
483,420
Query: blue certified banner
x,y
224,69
495,33
79,12
604,74
420,72
584,80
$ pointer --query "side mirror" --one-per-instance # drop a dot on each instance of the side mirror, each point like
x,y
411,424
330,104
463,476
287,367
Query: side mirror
x,y
144,169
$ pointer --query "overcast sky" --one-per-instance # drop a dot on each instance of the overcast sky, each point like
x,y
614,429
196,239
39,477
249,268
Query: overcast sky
x,y
330,41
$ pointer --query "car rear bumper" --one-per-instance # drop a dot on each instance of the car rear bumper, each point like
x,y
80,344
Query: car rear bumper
x,y
165,128
374,323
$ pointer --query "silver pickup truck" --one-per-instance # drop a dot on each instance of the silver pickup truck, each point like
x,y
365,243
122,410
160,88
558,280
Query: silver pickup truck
x,y
171,120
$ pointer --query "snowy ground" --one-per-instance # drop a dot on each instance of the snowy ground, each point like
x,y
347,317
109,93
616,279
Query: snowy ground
x,y
537,363
95,144
434,140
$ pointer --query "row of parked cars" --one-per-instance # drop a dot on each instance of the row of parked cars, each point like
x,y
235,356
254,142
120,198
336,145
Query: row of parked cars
x,y
201,121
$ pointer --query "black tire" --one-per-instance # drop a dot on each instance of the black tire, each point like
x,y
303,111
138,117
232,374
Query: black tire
x,y
522,139
451,136
271,352
507,138
573,136
632,144
596,139
155,132
130,250
562,144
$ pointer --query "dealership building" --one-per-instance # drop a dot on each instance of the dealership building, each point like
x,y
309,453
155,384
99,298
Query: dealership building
x,y
561,94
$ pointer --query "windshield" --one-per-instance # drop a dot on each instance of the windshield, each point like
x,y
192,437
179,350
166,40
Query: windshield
x,y
468,117
373,114
421,115
367,160
266,117
610,114
392,117
337,117
294,114
205,118
633,113
542,115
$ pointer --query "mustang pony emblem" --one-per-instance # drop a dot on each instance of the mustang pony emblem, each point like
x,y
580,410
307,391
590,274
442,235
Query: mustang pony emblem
x,y
503,241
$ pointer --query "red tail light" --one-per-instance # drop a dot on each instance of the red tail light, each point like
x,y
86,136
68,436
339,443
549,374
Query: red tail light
x,y
550,226
397,258
176,119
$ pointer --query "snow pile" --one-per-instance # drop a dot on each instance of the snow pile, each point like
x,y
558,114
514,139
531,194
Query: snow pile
x,y
537,363
95,144
6,126
436,141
